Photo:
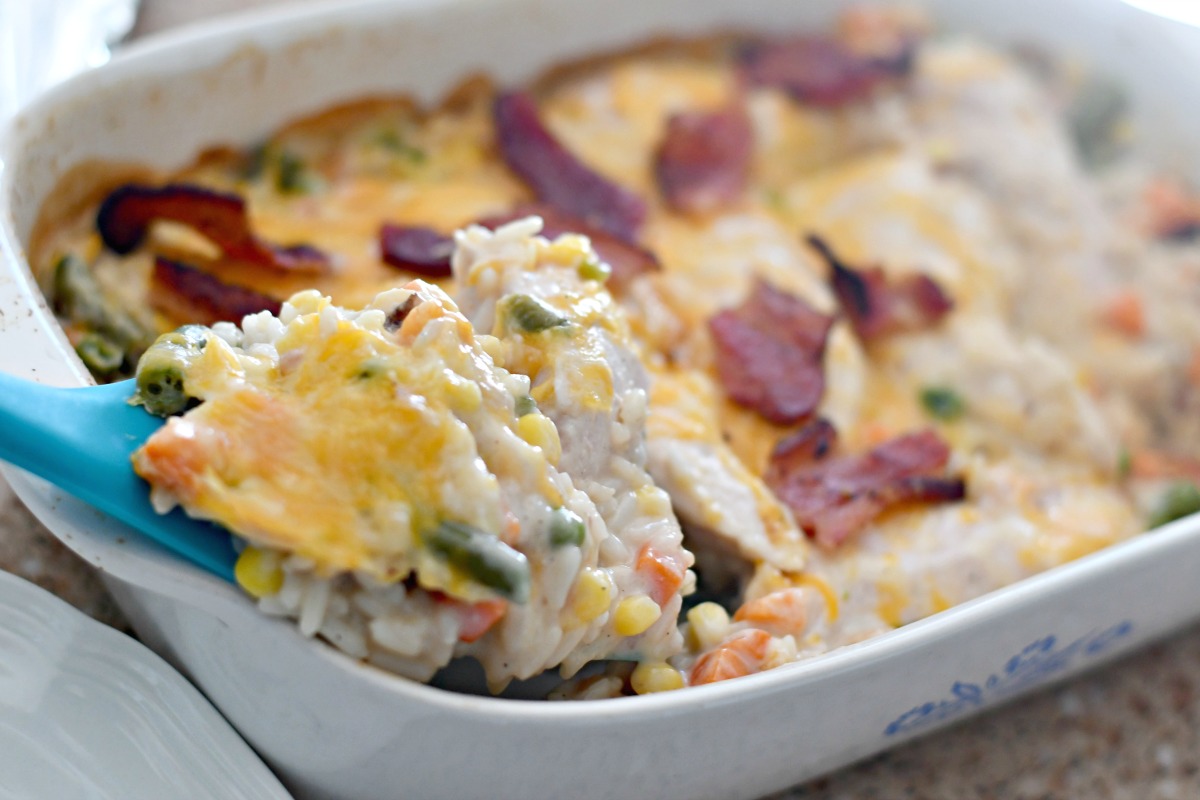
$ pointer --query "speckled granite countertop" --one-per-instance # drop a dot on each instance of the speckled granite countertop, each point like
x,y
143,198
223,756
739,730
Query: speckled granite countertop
x,y
1128,730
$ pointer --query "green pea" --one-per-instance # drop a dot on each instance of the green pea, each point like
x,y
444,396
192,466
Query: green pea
x,y
524,405
943,403
566,528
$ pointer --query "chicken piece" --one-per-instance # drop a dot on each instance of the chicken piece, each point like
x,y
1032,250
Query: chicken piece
x,y
556,323
727,507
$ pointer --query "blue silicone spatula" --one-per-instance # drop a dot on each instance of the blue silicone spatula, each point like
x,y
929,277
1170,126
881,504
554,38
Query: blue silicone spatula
x,y
81,440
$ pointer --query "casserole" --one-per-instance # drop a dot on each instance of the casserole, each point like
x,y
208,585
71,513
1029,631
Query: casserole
x,y
303,67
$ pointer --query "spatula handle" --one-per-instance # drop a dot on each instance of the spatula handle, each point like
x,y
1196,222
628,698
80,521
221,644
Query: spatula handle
x,y
81,440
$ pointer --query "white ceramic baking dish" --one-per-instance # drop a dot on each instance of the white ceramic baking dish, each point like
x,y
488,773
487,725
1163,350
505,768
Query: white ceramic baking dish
x,y
332,728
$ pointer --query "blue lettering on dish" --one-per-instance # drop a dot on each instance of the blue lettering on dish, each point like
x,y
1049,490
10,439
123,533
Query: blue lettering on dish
x,y
1035,664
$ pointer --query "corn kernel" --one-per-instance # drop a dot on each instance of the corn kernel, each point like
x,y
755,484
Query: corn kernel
x,y
464,395
594,386
494,347
539,431
593,269
258,572
708,625
655,676
543,393
653,501
635,614
593,594
568,248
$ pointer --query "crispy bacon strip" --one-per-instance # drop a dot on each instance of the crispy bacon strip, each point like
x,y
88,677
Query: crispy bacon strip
x,y
704,161
627,260
821,71
556,176
126,214
876,306
835,497
191,294
420,250
769,353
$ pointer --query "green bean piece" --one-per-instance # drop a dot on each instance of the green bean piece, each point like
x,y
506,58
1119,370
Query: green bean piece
x,y
76,293
391,140
162,369
100,355
531,315
79,299
1124,464
1095,119
566,528
483,557
524,405
943,403
1180,500
160,388
254,164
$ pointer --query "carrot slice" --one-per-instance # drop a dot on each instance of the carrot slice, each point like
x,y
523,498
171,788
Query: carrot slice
x,y
779,613
1155,464
741,654
478,618
663,573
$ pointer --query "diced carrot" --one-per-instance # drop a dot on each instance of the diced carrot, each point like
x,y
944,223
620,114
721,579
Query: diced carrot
x,y
1157,464
1169,207
663,573
512,528
779,613
741,654
1125,313
478,618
